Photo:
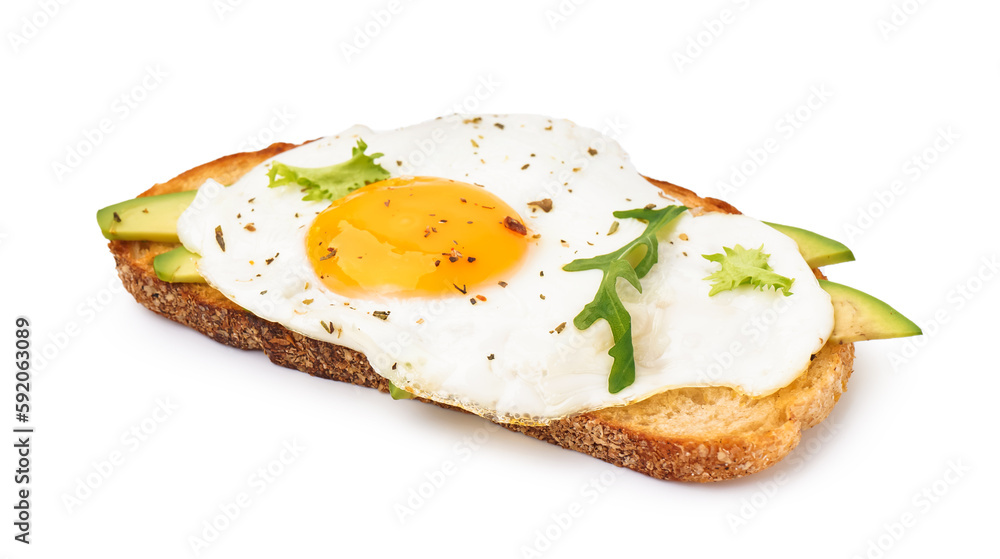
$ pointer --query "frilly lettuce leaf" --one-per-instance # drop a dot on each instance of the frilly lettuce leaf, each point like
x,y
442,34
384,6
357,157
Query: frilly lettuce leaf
x,y
332,182
740,266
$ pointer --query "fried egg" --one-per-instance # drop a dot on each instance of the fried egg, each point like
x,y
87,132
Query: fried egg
x,y
449,275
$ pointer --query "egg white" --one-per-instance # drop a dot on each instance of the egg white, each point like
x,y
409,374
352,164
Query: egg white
x,y
509,358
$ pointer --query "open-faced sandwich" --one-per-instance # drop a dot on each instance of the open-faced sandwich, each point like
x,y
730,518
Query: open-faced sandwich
x,y
519,268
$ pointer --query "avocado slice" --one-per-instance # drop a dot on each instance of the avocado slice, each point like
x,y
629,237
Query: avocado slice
x,y
398,393
816,249
858,316
178,266
150,218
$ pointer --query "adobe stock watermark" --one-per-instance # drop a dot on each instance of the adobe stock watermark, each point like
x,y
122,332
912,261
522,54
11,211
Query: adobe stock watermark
x,y
699,42
257,483
223,8
753,328
87,312
580,159
130,441
279,120
561,522
785,128
914,168
486,86
899,15
433,481
77,151
957,298
750,507
561,12
29,26
366,33
921,503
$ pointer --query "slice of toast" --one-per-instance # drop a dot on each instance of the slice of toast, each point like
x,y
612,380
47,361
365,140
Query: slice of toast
x,y
689,434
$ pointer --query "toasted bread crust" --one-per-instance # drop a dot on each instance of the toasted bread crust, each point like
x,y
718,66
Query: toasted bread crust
x,y
691,434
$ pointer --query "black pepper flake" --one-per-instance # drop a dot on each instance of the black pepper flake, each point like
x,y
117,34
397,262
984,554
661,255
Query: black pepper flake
x,y
463,200
145,210
490,357
399,163
263,292
541,274
545,204
250,227
381,315
525,166
250,201
437,263
471,259
116,217
442,221
472,300
269,260
560,328
502,283
462,289
515,225
649,206
592,151
387,203
498,125
219,239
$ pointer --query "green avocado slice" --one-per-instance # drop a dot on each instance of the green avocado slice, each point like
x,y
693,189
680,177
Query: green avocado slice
x,y
178,266
858,316
816,249
398,393
150,218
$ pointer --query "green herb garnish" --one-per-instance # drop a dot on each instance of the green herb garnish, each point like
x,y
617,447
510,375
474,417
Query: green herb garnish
x,y
607,304
741,266
333,182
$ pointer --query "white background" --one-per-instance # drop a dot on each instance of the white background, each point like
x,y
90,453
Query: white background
x,y
696,97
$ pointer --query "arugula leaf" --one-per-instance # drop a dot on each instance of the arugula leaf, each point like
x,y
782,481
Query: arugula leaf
x,y
333,182
742,266
607,304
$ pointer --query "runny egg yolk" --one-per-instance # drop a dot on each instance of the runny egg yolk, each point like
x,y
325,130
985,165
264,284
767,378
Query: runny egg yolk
x,y
412,236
